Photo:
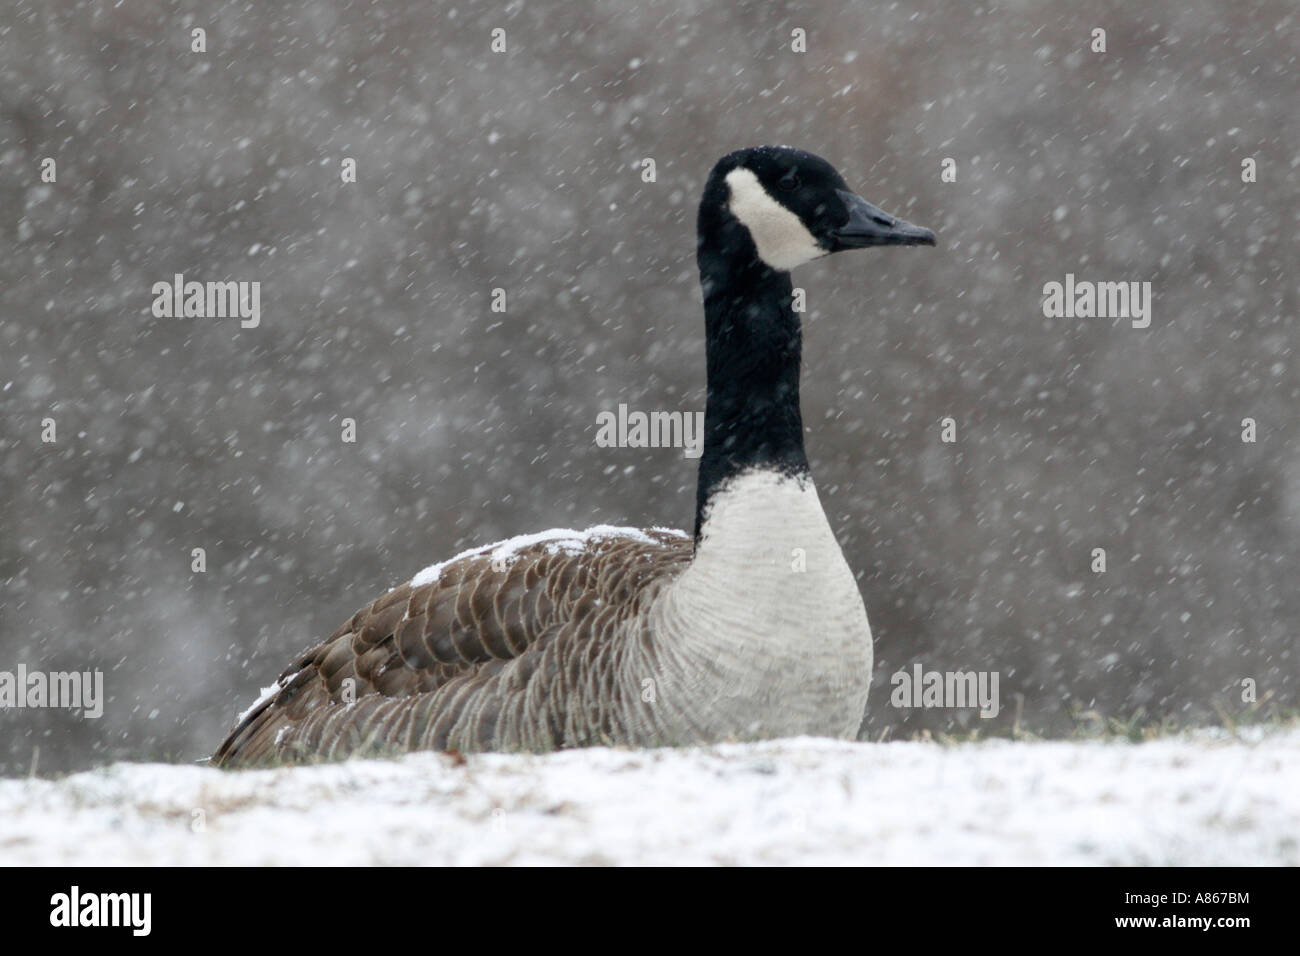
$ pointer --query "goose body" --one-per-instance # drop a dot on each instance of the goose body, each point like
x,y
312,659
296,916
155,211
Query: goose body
x,y
751,628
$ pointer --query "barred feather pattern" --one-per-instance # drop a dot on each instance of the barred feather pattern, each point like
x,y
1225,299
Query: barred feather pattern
x,y
498,653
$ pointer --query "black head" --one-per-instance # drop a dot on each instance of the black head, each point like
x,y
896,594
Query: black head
x,y
795,208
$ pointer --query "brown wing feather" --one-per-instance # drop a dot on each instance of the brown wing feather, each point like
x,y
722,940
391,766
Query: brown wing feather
x,y
418,654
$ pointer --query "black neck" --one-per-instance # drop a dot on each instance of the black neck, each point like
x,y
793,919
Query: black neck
x,y
751,418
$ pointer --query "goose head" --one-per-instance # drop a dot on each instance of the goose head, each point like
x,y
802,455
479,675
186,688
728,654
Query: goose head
x,y
785,207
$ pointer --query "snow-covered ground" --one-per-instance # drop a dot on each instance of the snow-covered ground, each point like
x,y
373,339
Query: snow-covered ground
x,y
1202,798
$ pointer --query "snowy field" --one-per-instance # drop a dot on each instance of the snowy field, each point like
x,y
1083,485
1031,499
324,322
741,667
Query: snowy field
x,y
1203,798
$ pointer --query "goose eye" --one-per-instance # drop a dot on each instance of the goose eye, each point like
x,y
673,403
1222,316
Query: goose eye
x,y
789,181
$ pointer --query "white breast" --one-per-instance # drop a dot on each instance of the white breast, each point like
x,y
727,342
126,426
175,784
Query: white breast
x,y
767,628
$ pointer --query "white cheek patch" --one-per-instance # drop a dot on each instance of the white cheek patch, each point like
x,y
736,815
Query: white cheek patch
x,y
782,239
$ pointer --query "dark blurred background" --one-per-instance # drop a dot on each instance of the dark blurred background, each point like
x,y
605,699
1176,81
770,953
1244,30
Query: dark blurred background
x,y
522,171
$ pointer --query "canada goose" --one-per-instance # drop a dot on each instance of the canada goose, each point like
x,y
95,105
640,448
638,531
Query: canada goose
x,y
752,629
